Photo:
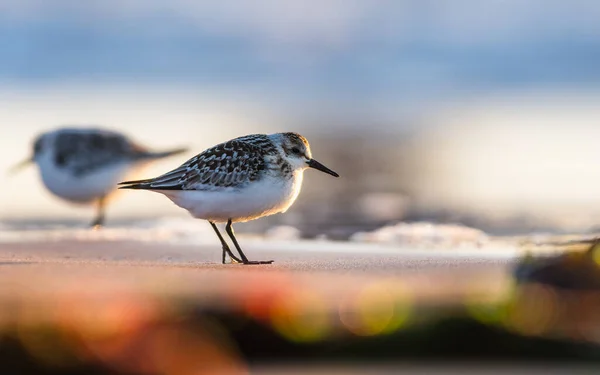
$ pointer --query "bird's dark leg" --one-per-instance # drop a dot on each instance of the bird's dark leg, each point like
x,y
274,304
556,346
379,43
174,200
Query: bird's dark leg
x,y
99,219
245,260
226,249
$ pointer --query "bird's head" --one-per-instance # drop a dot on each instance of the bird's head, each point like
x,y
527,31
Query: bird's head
x,y
296,151
40,146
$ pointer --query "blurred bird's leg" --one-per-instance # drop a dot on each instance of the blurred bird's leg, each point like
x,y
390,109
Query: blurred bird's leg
x,y
226,249
245,260
99,219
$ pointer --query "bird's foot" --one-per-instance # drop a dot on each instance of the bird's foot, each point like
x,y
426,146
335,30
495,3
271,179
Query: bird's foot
x,y
252,262
97,223
233,259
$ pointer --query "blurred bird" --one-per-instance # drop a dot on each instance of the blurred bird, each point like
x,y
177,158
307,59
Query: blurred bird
x,y
83,165
239,180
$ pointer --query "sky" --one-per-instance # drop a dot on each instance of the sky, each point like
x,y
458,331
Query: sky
x,y
346,49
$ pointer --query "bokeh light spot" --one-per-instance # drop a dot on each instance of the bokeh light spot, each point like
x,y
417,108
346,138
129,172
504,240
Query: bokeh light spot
x,y
379,308
302,317
533,311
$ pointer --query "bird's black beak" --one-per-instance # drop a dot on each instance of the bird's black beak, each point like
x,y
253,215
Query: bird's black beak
x,y
20,166
318,166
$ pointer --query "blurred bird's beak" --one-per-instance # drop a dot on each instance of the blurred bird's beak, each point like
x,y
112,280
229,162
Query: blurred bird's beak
x,y
320,167
20,166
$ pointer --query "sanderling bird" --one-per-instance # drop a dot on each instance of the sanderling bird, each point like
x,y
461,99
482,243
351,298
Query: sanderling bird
x,y
83,165
239,180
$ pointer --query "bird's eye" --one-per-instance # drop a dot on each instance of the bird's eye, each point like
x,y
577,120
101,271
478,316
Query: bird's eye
x,y
296,150
37,146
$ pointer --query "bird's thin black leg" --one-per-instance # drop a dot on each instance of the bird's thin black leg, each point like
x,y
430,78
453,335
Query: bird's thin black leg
x,y
99,219
245,260
226,249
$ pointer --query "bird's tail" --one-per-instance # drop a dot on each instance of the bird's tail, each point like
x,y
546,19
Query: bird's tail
x,y
147,155
151,155
135,184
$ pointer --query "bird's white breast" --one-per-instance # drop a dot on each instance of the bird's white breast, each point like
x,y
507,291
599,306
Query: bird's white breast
x,y
81,189
268,196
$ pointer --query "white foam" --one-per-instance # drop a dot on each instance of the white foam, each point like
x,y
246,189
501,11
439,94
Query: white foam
x,y
171,230
419,239
283,232
424,233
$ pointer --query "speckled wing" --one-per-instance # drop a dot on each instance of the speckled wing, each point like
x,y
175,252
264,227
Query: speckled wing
x,y
86,152
230,164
